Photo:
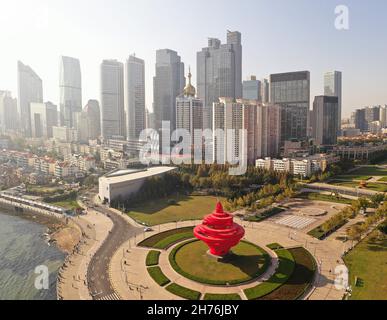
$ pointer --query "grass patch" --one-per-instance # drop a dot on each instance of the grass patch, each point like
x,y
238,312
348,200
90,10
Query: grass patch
x,y
367,263
183,208
152,258
165,239
324,197
222,297
320,234
184,292
300,280
383,179
248,262
283,273
67,204
274,246
265,214
352,178
158,276
370,171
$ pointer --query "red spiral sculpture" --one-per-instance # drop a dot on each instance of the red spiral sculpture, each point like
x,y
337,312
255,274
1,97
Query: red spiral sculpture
x,y
219,232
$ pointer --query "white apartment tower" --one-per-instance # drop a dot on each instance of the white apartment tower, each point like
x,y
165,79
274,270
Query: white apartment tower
x,y
134,97
30,89
112,99
70,90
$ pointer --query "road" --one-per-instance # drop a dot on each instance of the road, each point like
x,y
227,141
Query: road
x,y
340,189
98,270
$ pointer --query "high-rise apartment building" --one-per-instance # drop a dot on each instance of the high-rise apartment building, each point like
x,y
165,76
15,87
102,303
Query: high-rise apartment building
x,y
292,92
112,99
265,87
70,90
325,113
44,116
333,88
252,89
189,115
93,116
8,112
134,97
219,72
168,83
30,89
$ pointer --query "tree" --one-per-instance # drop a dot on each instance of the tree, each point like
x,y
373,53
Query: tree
x,y
377,199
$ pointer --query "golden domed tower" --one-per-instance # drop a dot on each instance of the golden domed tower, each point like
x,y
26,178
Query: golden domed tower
x,y
189,90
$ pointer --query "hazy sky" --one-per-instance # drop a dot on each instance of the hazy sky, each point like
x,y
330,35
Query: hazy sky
x,y
278,36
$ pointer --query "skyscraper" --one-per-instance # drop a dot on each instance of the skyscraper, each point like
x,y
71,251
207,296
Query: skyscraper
x,y
93,115
168,83
325,113
219,72
333,88
70,90
30,89
134,97
252,89
112,99
8,112
189,114
44,116
292,92
265,94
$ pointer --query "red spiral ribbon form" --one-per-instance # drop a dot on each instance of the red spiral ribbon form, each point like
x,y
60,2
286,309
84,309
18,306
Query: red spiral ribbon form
x,y
219,232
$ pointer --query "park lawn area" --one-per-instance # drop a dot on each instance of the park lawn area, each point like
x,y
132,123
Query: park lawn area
x,y
383,179
185,208
381,187
281,276
368,262
192,261
183,292
370,171
324,197
152,258
300,280
352,178
67,204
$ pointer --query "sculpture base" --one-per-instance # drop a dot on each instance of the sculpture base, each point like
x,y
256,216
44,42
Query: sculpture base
x,y
225,258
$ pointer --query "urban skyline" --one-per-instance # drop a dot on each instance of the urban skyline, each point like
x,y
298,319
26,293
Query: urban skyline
x,y
256,59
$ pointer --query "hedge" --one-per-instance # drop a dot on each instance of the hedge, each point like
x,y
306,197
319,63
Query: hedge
x,y
152,258
183,292
283,273
158,276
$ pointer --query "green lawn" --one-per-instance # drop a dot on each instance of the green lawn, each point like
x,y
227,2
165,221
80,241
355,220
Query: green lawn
x,y
352,178
222,297
158,276
281,276
186,208
324,197
368,262
301,279
380,187
192,261
67,204
183,292
152,258
370,171
383,179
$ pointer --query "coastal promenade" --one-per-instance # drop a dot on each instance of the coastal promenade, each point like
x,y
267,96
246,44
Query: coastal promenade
x,y
72,281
